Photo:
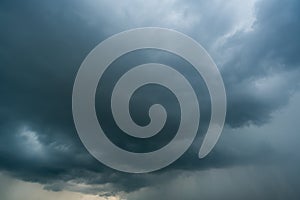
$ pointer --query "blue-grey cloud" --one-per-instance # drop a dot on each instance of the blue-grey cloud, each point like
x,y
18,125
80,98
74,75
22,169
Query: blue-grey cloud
x,y
44,43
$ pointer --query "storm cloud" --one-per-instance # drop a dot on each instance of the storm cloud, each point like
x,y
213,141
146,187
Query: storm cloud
x,y
42,44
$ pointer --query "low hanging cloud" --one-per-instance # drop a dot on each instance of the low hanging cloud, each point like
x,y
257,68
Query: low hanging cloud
x,y
44,43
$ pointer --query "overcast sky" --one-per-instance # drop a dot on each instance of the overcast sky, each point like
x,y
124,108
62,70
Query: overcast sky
x,y
255,45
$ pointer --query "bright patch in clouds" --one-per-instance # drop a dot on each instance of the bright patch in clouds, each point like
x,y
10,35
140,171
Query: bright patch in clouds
x,y
35,191
30,141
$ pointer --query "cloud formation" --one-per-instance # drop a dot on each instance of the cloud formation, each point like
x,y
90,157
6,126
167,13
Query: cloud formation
x,y
256,47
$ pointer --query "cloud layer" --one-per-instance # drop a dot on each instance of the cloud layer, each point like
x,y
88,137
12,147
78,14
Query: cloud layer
x,y
254,44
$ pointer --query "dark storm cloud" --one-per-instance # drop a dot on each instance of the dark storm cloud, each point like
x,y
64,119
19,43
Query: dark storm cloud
x,y
272,48
41,46
44,43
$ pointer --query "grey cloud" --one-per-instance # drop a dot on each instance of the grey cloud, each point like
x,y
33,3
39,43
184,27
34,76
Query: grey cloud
x,y
43,44
267,52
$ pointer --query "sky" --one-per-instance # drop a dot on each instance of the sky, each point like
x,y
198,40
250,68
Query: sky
x,y
255,45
